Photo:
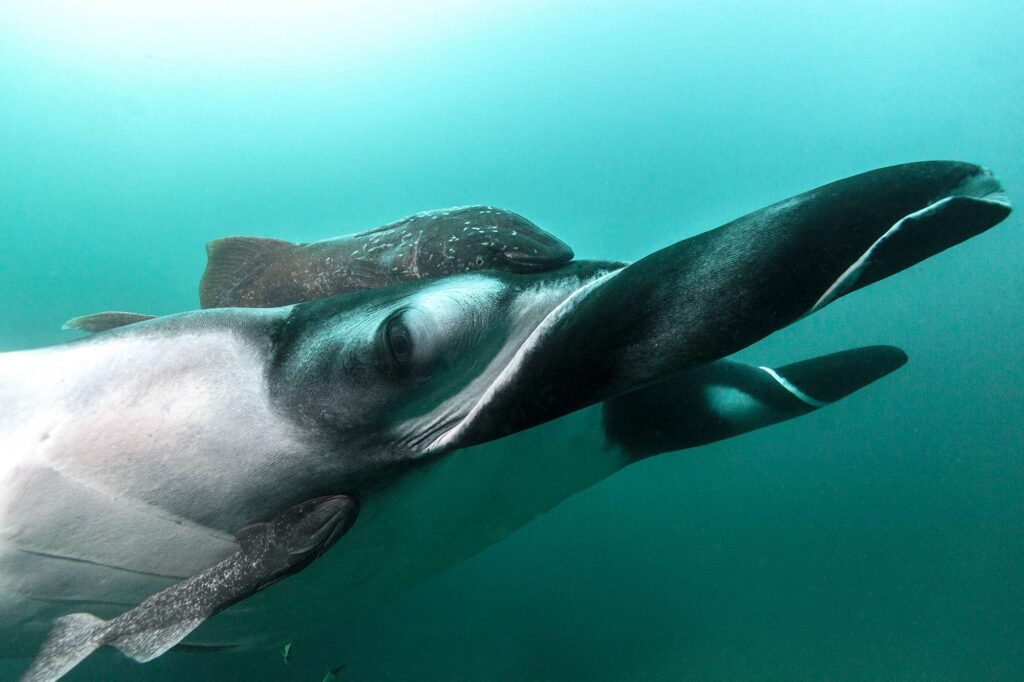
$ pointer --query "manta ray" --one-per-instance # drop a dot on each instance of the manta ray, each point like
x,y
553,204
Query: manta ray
x,y
143,466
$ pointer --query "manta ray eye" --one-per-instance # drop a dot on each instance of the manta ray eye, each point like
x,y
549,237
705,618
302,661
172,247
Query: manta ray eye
x,y
408,343
479,261
399,341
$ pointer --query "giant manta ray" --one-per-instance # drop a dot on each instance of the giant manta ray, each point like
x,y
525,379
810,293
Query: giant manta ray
x,y
157,473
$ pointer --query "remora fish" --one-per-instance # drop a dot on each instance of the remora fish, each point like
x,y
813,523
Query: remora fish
x,y
152,444
256,272
269,552
263,273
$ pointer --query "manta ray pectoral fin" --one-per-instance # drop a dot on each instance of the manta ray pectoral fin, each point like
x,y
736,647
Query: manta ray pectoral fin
x,y
235,261
270,551
101,322
724,399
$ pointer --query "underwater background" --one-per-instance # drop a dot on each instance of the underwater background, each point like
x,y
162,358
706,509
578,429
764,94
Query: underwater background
x,y
878,539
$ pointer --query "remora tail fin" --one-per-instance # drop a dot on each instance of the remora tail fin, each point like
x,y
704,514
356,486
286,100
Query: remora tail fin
x,y
77,635
233,262
72,638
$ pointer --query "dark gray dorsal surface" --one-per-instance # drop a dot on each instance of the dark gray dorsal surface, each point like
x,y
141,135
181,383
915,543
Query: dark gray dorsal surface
x,y
269,552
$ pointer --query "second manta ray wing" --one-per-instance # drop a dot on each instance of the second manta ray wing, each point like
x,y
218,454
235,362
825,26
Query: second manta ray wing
x,y
269,552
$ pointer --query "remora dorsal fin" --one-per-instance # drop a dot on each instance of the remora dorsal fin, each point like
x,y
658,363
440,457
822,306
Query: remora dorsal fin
x,y
101,322
232,262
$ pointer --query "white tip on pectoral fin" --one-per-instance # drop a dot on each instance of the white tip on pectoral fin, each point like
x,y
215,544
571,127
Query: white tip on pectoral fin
x,y
72,638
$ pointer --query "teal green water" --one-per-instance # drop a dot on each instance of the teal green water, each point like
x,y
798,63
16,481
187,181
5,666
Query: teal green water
x,y
879,539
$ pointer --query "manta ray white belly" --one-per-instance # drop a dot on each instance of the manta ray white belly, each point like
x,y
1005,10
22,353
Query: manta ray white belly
x,y
102,501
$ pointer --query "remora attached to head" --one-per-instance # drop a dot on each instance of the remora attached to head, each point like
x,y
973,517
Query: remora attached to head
x,y
255,272
261,273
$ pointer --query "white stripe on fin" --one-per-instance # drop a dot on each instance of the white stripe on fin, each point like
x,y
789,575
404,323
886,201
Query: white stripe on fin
x,y
852,273
813,402
982,186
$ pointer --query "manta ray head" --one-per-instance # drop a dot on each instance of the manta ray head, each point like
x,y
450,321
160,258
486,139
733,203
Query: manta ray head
x,y
395,372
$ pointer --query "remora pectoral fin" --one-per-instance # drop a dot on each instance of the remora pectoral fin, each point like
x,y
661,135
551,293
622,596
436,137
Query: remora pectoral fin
x,y
270,551
724,399
101,322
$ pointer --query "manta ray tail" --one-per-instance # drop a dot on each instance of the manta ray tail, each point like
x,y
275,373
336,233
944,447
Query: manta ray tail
x,y
72,638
